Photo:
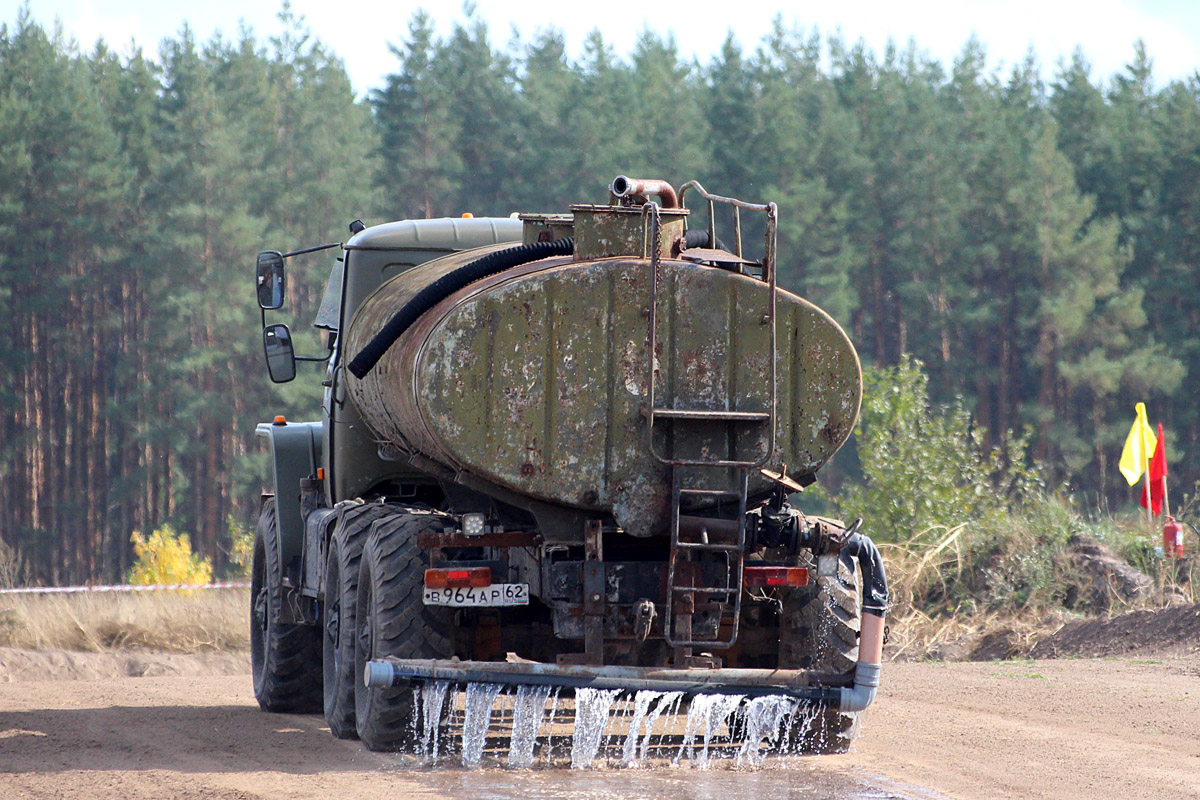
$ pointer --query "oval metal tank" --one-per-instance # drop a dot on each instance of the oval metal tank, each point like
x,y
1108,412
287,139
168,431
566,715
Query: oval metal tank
x,y
536,379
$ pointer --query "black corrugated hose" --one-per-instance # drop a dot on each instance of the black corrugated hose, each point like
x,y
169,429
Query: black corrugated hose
x,y
875,589
447,285
698,237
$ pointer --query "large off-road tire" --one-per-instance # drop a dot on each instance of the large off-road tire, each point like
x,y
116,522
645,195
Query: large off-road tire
x,y
341,599
819,631
392,620
285,658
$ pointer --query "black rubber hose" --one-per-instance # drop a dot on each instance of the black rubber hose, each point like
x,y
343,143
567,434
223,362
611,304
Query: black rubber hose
x,y
875,590
698,237
447,285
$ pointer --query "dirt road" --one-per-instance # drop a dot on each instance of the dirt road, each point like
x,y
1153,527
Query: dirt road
x,y
1073,729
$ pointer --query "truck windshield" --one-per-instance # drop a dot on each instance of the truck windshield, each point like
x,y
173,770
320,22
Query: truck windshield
x,y
331,303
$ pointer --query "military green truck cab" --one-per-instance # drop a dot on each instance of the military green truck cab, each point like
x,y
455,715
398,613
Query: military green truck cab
x,y
323,463
567,437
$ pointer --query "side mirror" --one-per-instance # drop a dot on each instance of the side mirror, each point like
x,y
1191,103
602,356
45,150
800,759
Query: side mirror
x,y
272,281
281,357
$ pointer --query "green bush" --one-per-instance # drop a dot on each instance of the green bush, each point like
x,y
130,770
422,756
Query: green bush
x,y
963,526
924,468
241,547
970,533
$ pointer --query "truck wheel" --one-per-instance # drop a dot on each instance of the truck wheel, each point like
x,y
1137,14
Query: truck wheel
x,y
819,631
393,620
283,656
341,598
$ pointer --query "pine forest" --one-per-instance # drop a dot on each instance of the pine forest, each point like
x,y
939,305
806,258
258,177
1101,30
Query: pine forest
x,y
1033,242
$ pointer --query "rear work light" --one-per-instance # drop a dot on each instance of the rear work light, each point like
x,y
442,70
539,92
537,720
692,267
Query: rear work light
x,y
458,578
473,524
757,577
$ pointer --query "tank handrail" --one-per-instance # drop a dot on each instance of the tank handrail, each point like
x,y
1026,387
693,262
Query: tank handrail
x,y
651,212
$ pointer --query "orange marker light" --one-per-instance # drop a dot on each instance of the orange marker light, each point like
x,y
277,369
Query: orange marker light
x,y
320,473
468,215
756,577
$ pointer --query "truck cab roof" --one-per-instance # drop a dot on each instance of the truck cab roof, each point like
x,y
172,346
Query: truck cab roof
x,y
442,235
448,233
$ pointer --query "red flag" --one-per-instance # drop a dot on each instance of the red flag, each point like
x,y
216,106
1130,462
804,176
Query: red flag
x,y
1158,476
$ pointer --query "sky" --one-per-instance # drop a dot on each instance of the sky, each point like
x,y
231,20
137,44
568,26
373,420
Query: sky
x,y
362,31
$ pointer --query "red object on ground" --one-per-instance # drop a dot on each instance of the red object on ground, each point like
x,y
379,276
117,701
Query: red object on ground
x,y
1172,539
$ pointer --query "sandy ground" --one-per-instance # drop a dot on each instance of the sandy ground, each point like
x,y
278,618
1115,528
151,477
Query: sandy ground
x,y
1070,728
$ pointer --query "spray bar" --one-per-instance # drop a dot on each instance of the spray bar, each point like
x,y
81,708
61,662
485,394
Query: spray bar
x,y
851,697
748,682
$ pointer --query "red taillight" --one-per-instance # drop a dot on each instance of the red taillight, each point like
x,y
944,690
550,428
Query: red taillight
x,y
458,578
757,577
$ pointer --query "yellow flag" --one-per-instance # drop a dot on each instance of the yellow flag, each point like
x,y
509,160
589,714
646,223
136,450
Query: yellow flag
x,y
1139,446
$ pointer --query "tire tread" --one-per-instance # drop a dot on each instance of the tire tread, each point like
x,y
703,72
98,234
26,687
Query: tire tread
x,y
285,658
392,578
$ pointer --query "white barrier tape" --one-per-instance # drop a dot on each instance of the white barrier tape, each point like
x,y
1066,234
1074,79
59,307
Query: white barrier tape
x,y
123,588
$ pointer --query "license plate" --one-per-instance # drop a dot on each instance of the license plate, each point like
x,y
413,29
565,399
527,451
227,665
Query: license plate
x,y
498,594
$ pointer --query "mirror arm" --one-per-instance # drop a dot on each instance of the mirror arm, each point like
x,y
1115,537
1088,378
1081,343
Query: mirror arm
x,y
323,359
312,249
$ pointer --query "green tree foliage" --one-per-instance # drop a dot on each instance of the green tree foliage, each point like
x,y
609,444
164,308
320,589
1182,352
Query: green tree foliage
x,y
544,154
664,107
419,165
924,466
133,195
1034,246
813,142
65,186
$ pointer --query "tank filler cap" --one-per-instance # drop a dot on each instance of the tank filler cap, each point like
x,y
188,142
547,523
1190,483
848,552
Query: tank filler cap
x,y
280,420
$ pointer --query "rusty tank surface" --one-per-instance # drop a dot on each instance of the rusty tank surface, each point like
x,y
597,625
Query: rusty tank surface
x,y
538,379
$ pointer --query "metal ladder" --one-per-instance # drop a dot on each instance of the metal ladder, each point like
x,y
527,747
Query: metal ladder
x,y
685,569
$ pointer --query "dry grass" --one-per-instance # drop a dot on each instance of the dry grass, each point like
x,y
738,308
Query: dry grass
x,y
916,636
172,622
917,568
937,560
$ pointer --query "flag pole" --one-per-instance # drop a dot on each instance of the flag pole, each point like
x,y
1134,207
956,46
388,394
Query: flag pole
x,y
1166,498
1146,463
1149,501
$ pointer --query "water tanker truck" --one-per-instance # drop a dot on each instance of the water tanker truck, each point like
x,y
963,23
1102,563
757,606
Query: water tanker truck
x,y
563,449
